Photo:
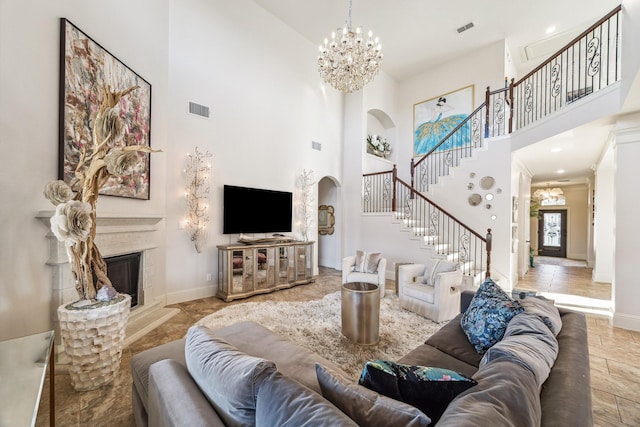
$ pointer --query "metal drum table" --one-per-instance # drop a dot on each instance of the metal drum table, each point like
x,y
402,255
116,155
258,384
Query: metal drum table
x,y
361,312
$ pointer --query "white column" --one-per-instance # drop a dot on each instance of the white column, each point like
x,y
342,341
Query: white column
x,y
626,275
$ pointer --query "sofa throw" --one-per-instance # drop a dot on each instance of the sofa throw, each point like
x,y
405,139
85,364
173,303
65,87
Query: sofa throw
x,y
544,309
367,262
528,342
428,389
488,315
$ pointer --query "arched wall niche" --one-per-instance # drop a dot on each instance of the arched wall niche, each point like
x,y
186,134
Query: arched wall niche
x,y
379,123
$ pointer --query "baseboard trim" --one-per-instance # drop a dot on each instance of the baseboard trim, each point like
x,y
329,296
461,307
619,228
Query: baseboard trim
x,y
191,294
626,321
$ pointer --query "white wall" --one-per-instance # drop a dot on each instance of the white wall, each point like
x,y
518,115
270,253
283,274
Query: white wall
x,y
267,105
604,223
481,68
135,32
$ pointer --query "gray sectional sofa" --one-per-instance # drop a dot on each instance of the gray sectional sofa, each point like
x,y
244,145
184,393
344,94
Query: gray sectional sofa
x,y
288,385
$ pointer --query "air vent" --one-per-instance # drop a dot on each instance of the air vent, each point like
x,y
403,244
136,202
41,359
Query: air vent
x,y
465,27
316,145
198,110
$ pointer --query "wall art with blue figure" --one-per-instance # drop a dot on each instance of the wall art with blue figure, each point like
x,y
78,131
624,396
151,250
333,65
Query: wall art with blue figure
x,y
435,118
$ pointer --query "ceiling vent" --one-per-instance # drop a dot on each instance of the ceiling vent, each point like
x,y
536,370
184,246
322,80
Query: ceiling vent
x,y
465,27
547,47
199,110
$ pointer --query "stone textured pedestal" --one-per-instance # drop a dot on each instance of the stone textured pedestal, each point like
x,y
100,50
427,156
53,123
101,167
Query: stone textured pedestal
x,y
93,338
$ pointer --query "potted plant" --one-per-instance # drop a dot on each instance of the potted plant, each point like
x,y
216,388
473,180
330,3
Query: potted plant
x,y
378,145
93,327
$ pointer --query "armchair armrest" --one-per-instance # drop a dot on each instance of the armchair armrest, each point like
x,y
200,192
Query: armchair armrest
x,y
347,265
447,284
382,270
407,273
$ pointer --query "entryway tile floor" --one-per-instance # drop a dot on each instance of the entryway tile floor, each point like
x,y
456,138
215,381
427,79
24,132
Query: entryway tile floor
x,y
614,353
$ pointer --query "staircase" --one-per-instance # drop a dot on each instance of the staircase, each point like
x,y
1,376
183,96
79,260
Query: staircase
x,y
589,63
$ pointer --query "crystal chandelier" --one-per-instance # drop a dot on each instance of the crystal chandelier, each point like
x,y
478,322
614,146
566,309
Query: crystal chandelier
x,y
348,62
548,193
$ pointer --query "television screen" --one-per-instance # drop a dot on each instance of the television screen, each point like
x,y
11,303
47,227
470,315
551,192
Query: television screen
x,y
254,210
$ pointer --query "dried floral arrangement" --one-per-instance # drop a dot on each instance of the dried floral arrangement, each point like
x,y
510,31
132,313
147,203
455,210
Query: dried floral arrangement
x,y
74,221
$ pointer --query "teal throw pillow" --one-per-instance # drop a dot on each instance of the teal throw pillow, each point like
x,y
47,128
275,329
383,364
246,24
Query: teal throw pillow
x,y
428,389
488,315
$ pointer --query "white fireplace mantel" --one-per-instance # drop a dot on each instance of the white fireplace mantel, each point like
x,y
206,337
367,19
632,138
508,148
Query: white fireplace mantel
x,y
116,234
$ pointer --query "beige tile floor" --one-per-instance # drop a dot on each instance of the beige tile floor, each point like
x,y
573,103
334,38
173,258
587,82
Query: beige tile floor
x,y
614,352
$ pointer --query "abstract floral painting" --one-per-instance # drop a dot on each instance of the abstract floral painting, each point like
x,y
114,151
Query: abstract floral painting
x,y
85,67
435,118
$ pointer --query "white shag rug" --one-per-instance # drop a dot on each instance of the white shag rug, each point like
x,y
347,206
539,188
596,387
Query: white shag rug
x,y
317,326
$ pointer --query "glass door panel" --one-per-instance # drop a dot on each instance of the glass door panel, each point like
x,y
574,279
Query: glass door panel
x,y
552,233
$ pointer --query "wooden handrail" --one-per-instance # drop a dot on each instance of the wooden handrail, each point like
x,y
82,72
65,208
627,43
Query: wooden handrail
x,y
571,43
422,196
379,173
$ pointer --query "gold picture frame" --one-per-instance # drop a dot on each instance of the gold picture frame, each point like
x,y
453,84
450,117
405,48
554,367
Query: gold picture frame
x,y
326,219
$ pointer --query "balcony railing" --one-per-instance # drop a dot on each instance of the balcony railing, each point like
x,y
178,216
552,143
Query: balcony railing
x,y
590,62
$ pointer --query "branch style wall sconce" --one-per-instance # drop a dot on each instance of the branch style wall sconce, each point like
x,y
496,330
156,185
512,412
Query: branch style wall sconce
x,y
197,176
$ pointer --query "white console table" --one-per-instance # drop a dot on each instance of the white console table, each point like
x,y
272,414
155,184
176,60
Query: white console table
x,y
245,270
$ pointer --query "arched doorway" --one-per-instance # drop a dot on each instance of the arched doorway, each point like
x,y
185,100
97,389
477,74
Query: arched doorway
x,y
329,242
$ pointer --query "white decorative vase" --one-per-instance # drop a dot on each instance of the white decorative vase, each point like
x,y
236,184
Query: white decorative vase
x,y
93,337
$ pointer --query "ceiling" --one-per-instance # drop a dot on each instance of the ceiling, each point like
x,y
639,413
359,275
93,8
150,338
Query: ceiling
x,y
416,34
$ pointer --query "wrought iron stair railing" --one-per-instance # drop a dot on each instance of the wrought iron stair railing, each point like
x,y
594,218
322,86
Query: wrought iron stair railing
x,y
438,229
589,63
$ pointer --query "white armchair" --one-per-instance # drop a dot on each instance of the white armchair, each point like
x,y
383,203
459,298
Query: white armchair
x,y
431,290
378,278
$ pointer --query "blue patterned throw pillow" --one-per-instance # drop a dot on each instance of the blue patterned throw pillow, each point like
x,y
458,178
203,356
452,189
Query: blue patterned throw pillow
x,y
488,315
426,388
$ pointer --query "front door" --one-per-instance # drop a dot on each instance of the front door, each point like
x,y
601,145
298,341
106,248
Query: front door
x,y
552,233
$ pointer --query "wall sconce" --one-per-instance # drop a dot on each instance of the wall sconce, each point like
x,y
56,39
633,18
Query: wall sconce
x,y
197,197
306,203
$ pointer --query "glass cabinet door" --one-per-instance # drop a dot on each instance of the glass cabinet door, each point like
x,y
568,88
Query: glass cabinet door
x,y
301,261
266,274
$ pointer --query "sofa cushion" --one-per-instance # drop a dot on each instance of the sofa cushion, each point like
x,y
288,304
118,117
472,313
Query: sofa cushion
x,y
283,401
428,389
364,406
530,343
140,363
229,378
506,395
487,317
566,395
452,340
175,399
545,309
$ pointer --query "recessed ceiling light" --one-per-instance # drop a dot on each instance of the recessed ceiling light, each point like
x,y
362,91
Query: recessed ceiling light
x,y
560,170
556,149
551,29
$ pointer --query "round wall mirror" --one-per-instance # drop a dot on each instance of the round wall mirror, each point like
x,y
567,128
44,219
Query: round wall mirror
x,y
486,182
475,199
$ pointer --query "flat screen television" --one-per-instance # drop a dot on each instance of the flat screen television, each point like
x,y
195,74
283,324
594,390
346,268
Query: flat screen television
x,y
255,210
